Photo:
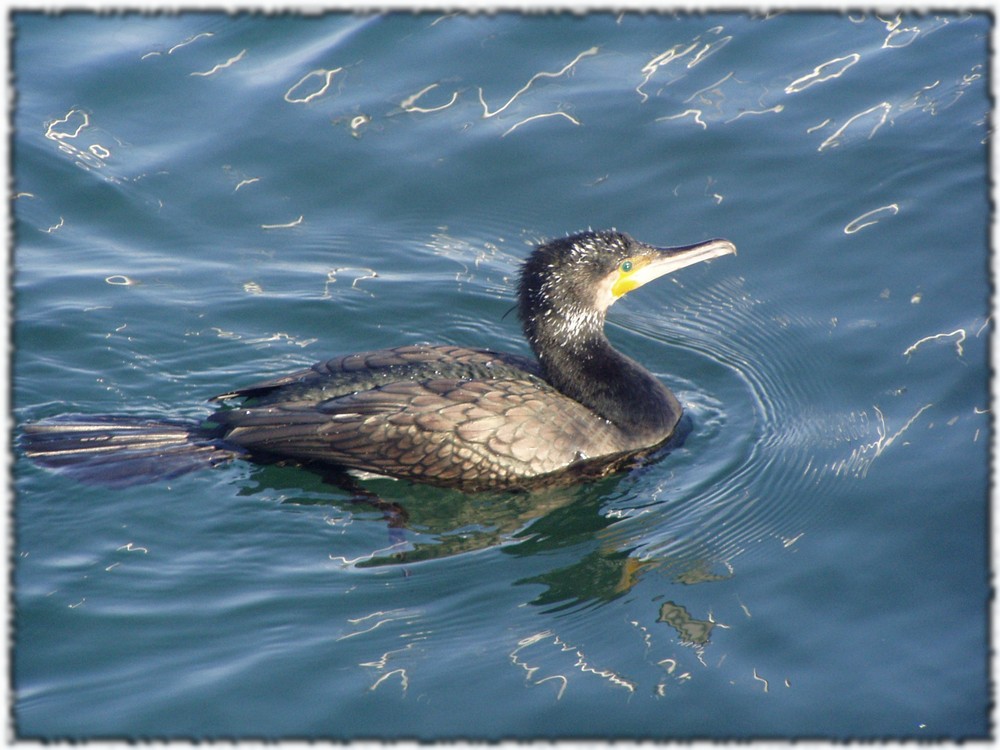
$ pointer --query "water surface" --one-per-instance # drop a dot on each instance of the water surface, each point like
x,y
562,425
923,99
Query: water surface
x,y
204,200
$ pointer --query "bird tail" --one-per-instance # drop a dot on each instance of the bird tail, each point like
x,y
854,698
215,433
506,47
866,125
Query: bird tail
x,y
121,451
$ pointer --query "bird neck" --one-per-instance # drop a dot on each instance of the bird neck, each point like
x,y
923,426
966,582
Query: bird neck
x,y
577,359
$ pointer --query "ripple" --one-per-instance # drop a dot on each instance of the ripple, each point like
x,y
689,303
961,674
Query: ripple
x,y
764,456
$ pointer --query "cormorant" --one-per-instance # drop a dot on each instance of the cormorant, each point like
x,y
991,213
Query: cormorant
x,y
444,415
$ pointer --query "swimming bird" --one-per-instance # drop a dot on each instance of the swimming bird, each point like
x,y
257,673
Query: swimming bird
x,y
444,415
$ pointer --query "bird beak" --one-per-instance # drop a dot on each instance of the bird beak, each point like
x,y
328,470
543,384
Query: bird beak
x,y
653,262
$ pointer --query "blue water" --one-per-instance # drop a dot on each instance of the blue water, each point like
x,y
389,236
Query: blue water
x,y
205,200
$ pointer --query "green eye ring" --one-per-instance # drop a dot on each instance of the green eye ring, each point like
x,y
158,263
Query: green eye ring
x,y
626,266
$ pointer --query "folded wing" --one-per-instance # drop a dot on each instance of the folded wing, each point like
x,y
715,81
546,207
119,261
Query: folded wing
x,y
472,434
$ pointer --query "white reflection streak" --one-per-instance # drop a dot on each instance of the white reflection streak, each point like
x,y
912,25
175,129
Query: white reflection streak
x,y
539,117
186,42
817,76
607,674
968,78
893,24
243,183
283,337
647,638
445,17
759,679
664,58
284,226
709,49
859,462
710,87
89,158
866,220
776,108
404,682
718,198
562,688
356,620
913,32
328,74
56,136
486,111
960,333
789,542
699,56
220,66
581,662
378,624
384,659
407,103
817,127
344,561
523,643
884,442
54,227
832,140
331,278
371,555
697,117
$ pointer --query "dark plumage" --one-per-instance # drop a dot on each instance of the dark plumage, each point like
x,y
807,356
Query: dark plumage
x,y
443,415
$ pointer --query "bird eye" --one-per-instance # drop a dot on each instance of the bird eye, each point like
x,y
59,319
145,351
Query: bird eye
x,y
626,266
